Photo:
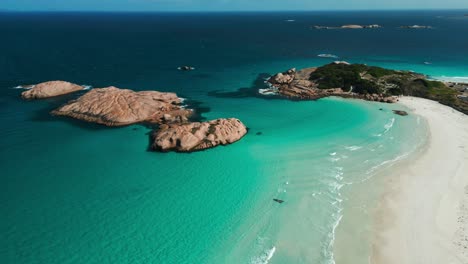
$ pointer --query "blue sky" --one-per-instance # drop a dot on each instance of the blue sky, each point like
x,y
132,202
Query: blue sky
x,y
226,5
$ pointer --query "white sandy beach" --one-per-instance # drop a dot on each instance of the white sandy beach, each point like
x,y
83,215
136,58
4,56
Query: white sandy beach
x,y
423,217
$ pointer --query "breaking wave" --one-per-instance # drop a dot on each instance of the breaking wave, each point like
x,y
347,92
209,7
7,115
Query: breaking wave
x,y
265,257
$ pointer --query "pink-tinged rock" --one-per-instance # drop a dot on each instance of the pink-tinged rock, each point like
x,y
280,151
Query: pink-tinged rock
x,y
51,89
112,106
196,136
283,78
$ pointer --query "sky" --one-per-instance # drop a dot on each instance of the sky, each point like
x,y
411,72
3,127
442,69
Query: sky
x,y
225,5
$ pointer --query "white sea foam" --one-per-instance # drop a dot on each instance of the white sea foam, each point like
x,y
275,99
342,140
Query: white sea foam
x,y
334,194
456,79
87,87
316,193
389,125
26,87
329,249
370,172
328,56
333,154
335,159
265,257
353,148
271,253
269,91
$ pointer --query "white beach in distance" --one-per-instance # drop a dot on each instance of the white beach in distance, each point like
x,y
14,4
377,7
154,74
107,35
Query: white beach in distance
x,y
423,216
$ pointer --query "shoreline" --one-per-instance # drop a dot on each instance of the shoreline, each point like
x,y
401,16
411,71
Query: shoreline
x,y
422,216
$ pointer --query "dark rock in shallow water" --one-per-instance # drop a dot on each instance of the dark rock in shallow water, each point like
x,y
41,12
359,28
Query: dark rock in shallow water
x,y
400,112
278,201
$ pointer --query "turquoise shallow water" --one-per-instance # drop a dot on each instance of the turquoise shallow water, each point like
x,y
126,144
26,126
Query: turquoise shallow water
x,y
72,192
96,195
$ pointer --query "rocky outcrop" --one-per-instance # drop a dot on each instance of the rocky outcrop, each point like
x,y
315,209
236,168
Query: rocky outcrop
x,y
186,68
196,136
416,27
352,27
119,107
50,89
297,85
283,78
349,27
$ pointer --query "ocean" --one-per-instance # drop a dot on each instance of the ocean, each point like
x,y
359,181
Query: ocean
x,y
73,192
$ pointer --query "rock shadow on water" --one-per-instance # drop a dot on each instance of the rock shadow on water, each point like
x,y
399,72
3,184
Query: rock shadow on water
x,y
248,92
198,108
44,114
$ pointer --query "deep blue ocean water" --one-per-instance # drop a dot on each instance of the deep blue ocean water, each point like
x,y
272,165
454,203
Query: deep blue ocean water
x,y
72,192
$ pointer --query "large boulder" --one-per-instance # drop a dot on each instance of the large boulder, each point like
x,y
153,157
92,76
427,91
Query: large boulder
x,y
283,78
50,89
112,106
198,136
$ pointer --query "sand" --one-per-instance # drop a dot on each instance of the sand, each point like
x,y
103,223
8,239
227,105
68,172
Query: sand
x,y
423,215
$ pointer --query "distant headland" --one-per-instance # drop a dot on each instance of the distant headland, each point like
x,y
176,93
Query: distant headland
x,y
361,81
348,27
371,26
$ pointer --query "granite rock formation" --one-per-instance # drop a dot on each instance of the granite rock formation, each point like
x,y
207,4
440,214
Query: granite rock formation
x,y
197,136
298,85
50,89
112,106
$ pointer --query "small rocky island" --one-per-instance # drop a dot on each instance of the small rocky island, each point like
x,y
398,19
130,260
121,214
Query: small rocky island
x,y
197,136
112,106
50,89
350,26
416,27
360,81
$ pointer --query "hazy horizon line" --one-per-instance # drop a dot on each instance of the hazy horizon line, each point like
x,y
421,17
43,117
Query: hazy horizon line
x,y
228,11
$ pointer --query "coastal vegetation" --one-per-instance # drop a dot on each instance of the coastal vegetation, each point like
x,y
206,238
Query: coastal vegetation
x,y
363,79
350,76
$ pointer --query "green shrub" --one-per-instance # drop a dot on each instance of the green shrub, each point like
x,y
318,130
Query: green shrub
x,y
344,76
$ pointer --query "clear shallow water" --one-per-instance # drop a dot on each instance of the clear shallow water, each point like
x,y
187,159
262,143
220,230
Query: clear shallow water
x,y
79,193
